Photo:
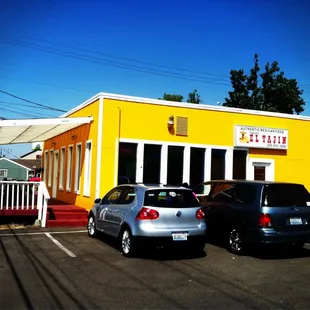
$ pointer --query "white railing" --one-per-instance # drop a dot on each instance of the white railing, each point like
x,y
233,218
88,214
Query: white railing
x,y
19,195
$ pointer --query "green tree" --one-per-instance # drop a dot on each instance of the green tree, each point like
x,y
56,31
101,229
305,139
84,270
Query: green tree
x,y
194,97
268,91
172,97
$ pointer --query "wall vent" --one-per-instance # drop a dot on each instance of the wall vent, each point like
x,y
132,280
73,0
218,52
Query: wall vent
x,y
182,126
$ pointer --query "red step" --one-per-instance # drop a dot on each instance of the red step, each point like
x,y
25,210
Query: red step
x,y
66,208
67,223
70,215
66,216
18,212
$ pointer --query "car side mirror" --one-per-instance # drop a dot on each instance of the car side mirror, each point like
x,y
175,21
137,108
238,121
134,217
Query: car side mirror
x,y
98,200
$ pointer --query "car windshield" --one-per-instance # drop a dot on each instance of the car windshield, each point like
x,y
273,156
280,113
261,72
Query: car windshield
x,y
170,198
281,195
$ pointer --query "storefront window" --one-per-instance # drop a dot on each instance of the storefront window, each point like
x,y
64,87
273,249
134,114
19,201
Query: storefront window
x,y
127,161
239,165
151,163
175,165
197,166
218,164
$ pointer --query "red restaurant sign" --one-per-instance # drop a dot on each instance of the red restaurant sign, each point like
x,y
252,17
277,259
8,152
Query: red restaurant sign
x,y
261,137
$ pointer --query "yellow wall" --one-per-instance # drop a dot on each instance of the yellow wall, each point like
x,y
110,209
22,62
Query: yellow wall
x,y
149,122
83,133
143,121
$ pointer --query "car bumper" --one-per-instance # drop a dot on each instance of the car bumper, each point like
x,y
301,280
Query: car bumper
x,y
268,236
146,229
169,242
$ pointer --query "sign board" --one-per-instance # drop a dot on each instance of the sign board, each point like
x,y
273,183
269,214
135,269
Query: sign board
x,y
261,137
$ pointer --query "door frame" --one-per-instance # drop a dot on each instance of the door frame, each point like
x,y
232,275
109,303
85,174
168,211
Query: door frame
x,y
55,173
266,162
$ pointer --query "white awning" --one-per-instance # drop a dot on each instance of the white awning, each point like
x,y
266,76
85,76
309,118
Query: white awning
x,y
37,130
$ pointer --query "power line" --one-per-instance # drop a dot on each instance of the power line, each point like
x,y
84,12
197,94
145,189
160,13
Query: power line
x,y
136,68
51,85
120,57
24,105
35,103
7,152
132,60
25,113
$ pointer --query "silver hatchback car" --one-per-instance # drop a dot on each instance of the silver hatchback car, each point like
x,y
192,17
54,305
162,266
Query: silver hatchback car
x,y
149,215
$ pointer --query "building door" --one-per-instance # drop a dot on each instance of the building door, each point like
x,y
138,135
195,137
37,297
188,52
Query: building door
x,y
55,174
261,169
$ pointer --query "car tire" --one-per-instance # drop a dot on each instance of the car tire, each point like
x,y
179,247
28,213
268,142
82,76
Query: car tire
x,y
236,244
91,226
128,244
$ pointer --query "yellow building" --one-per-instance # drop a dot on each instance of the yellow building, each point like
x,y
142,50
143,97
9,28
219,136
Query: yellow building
x,y
156,141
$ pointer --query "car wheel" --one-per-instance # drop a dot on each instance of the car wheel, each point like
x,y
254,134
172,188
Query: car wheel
x,y
91,226
127,243
235,242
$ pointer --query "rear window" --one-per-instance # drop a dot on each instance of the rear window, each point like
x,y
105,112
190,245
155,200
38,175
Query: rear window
x,y
170,198
245,193
282,195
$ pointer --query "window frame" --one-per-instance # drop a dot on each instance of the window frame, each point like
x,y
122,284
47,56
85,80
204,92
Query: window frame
x,y
45,166
62,167
69,168
6,173
50,167
78,167
88,167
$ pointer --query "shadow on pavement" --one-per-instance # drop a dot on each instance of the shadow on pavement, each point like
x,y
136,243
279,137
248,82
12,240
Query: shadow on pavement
x,y
273,252
46,276
151,253
267,252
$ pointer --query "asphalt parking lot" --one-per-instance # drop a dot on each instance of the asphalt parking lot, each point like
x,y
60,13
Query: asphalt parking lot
x,y
69,270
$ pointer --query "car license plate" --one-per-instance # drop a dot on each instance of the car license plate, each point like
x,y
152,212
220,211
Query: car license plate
x,y
180,236
295,221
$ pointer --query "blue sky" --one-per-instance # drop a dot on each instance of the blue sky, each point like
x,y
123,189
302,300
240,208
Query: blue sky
x,y
208,36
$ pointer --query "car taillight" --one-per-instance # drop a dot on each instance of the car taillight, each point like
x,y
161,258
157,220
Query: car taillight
x,y
264,220
147,214
200,214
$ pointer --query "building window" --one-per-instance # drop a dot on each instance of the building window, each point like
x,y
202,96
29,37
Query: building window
x,y
218,164
69,168
3,173
127,163
45,166
197,164
239,164
151,163
62,167
175,165
50,169
87,174
78,166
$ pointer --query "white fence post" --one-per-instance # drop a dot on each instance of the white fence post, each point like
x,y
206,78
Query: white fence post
x,y
40,203
14,193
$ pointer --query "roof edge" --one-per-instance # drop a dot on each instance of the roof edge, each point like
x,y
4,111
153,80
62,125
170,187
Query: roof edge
x,y
183,105
82,105
14,162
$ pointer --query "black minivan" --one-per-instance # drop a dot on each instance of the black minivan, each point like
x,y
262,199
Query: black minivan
x,y
256,212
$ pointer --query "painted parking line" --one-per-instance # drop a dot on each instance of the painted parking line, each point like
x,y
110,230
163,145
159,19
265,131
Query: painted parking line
x,y
48,235
42,233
